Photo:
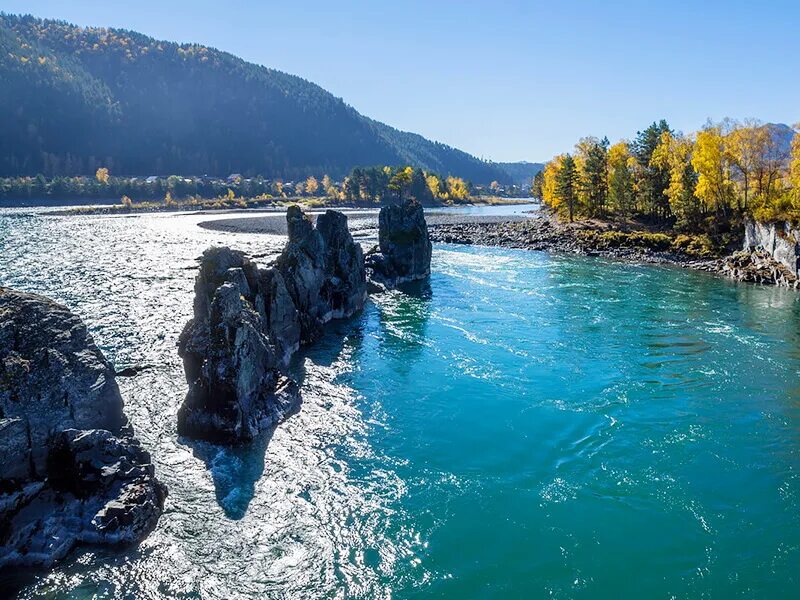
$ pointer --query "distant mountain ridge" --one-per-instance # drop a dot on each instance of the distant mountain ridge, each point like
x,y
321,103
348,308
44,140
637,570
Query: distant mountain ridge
x,y
74,99
522,172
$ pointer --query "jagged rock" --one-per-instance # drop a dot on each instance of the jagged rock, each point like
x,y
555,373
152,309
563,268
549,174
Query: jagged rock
x,y
68,458
405,246
235,375
249,321
323,269
758,266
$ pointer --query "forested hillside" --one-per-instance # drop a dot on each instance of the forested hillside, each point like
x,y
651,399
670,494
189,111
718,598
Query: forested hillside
x,y
521,173
75,99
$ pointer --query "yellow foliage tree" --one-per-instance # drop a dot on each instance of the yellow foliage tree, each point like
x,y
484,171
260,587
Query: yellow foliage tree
x,y
549,186
744,145
102,175
329,188
714,185
434,185
794,169
312,185
674,155
621,195
457,188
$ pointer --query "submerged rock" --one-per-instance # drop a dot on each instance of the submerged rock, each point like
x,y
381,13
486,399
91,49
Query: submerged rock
x,y
405,246
249,321
70,469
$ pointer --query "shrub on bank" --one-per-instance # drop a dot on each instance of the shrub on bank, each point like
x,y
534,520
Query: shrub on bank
x,y
696,246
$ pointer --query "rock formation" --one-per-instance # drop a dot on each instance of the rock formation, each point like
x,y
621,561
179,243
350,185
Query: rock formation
x,y
71,470
758,266
404,243
780,240
248,321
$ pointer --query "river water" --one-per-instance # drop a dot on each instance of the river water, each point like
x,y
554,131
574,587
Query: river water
x,y
528,426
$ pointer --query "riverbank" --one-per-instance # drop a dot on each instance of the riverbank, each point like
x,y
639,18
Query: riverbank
x,y
542,231
360,222
238,203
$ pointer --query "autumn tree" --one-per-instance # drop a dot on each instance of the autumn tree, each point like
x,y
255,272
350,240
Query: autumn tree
x,y
674,153
709,159
744,148
101,175
651,180
620,180
401,181
435,186
312,185
328,187
550,182
457,189
794,169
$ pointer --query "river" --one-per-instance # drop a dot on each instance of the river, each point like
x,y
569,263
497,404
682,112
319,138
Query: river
x,y
527,426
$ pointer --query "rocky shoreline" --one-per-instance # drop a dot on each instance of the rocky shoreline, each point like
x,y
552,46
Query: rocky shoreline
x,y
71,470
545,233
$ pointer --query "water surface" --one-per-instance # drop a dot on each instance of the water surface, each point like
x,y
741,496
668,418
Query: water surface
x,y
527,426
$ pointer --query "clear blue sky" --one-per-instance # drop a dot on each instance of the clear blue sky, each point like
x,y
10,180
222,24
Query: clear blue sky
x,y
505,80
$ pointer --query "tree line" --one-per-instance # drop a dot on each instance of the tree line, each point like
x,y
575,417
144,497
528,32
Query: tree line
x,y
375,185
700,182
381,184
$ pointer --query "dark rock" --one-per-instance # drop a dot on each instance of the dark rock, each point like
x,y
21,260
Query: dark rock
x,y
67,453
249,321
323,269
132,371
405,246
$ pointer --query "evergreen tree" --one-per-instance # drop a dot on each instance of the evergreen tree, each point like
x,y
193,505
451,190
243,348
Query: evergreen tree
x,y
567,185
651,180
595,176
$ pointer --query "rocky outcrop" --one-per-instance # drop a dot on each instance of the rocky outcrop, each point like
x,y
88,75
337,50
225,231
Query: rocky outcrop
x,y
404,244
323,268
249,321
780,240
758,266
71,470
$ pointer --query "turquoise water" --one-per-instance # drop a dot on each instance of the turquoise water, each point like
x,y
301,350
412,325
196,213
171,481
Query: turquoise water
x,y
527,426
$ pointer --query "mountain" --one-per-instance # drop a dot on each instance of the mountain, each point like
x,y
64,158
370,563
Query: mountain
x,y
74,99
521,173
783,135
